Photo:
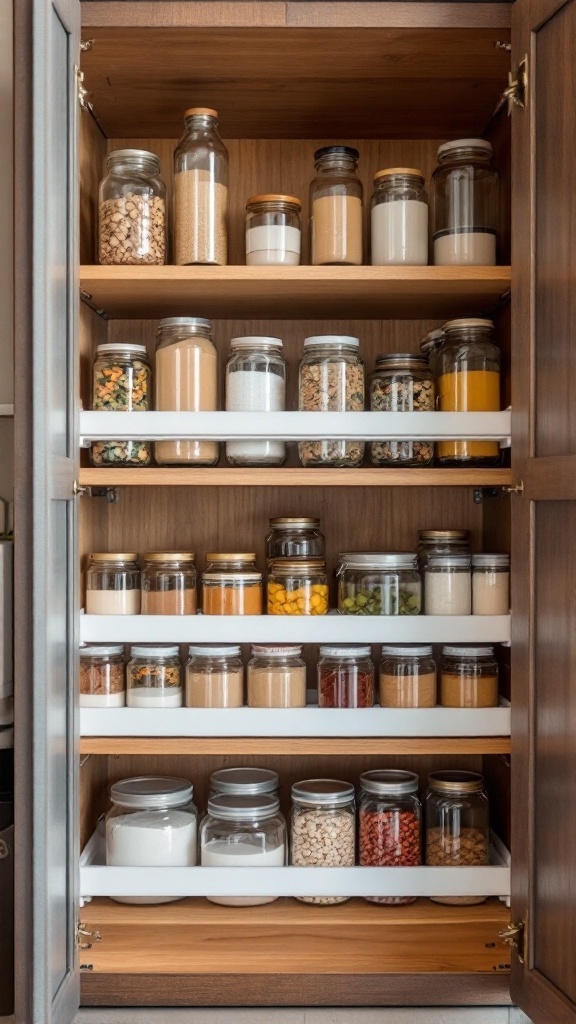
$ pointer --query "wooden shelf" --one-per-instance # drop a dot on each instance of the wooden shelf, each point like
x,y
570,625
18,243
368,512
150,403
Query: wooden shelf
x,y
300,746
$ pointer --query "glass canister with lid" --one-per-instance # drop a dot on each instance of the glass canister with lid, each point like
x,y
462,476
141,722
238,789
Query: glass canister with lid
x,y
214,677
102,676
273,233
336,208
276,677
121,382
448,585
230,561
408,677
297,586
295,537
154,677
232,592
457,825
200,191
468,677
331,379
468,380
169,583
441,542
132,210
256,382
389,813
399,222
490,584
429,347
113,583
244,782
401,382
465,204
379,583
323,828
345,677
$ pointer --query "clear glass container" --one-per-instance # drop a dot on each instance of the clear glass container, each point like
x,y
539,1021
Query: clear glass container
x,y
113,584
401,383
323,829
168,582
256,382
230,561
276,677
232,593
214,677
336,208
448,585
441,542
273,232
102,677
297,586
457,825
429,347
200,221
186,381
331,379
379,583
468,381
132,212
468,677
464,195
345,677
408,677
243,831
121,382
244,782
389,814
399,221
294,537
154,678
490,584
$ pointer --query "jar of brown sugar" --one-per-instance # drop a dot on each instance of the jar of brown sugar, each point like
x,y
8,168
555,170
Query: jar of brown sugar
x,y
214,677
457,825
232,593
102,677
276,677
468,677
408,677
169,583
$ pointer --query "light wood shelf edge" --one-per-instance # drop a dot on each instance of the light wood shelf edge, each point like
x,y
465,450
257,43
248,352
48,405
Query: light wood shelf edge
x,y
288,476
291,746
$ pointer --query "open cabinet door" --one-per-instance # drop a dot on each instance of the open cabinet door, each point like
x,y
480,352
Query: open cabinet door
x,y
46,859
544,517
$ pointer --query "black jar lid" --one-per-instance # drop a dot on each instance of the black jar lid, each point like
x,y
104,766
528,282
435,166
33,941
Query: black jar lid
x,y
348,151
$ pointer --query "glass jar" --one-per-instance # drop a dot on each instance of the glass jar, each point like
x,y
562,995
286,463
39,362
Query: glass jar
x,y
243,831
379,583
244,782
345,678
154,678
468,677
102,677
336,208
389,814
186,381
214,677
464,193
230,561
331,379
441,542
297,586
113,584
295,538
399,222
273,234
429,347
153,823
448,585
323,829
232,593
457,826
490,584
169,583
468,381
121,382
256,382
276,677
132,214
401,383
408,677
200,191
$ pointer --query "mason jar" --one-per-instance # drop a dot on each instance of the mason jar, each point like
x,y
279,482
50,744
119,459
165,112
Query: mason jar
x,y
331,379
323,829
468,677
345,677
154,678
276,677
132,214
121,382
389,816
232,593
490,584
465,204
200,220
230,561
297,586
113,583
379,583
336,208
441,542
408,677
273,232
102,676
256,382
468,381
399,221
457,825
169,583
214,677
401,382
448,585
244,782
429,347
295,537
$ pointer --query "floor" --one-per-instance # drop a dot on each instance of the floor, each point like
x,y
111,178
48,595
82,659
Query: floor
x,y
449,1015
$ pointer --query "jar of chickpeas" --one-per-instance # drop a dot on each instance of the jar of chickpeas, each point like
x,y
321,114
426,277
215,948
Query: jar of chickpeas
x,y
297,587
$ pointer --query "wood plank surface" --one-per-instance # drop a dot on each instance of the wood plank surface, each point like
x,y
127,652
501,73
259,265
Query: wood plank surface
x,y
293,746
291,476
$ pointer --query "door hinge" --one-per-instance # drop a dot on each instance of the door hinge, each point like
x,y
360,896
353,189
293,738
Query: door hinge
x,y
515,936
81,91
515,488
82,936
515,94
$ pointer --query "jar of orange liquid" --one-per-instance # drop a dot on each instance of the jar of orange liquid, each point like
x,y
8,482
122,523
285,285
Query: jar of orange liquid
x,y
468,380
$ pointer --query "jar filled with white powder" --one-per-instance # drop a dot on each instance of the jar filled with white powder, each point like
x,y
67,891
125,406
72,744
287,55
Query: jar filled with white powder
x,y
113,584
273,233
256,382
399,218
448,585
490,584
154,678
464,197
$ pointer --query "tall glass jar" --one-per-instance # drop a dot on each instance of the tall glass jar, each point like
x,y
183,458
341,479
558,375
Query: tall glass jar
x,y
468,381
336,208
345,677
232,593
323,829
465,204
200,191
401,382
448,585
186,381
399,232
169,583
331,379
230,561
121,382
297,586
113,583
429,347
295,537
276,677
379,583
408,677
441,542
389,813
102,677
457,825
214,677
243,831
154,678
468,677
273,233
244,782
256,382
490,584
132,214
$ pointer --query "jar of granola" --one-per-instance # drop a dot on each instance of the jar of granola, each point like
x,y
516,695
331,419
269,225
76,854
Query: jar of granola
x,y
331,379
154,679
457,825
401,382
102,677
297,586
122,382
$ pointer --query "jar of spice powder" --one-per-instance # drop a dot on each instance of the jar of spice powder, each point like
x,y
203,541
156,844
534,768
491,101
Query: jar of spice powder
x,y
121,382
113,584
468,677
345,678
468,380
169,583
389,824
232,593
331,379
276,677
336,208
457,826
297,586
407,677
102,677
214,677
154,678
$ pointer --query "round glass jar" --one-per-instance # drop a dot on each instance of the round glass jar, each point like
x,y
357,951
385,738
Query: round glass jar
x,y
401,383
490,584
113,584
429,347
153,823
168,582
200,220
464,194
448,585
408,677
256,382
457,825
102,677
243,831
389,814
295,538
276,677
379,583
214,677
273,233
230,561
297,586
441,542
323,829
336,208
244,782
468,677
399,220
132,215
121,382
345,678
232,593
331,379
186,380
468,380
154,678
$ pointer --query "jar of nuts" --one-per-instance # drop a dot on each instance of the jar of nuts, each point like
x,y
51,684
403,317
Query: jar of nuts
x,y
389,813
331,379
323,827
132,210
457,825
401,383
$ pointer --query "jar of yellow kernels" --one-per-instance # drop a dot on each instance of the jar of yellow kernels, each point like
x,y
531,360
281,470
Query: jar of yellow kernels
x,y
297,587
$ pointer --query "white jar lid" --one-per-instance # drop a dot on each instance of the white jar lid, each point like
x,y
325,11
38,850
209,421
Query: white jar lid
x,y
232,577
345,652
379,559
315,792
421,651
151,791
154,652
121,346
272,651
332,339
486,559
102,651
447,147
250,340
467,321
468,652
244,781
229,651
230,807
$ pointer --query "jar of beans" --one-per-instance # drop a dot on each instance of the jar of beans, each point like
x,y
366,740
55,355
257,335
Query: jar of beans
x,y
457,825
345,678
297,586
323,827
132,210
389,814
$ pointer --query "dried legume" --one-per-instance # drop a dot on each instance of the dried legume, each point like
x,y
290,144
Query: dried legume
x,y
389,839
323,839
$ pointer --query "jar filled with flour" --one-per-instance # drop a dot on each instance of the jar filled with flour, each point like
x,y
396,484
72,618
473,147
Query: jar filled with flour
x,y
200,191
399,218
256,382
464,197
243,831
273,234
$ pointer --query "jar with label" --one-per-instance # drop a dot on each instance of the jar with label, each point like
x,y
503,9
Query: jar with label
x,y
230,561
121,382
399,220
256,382
448,585
323,829
297,586
401,383
468,381
468,677
186,381
200,221
345,677
465,204
232,593
273,233
331,379
441,542
408,677
154,678
153,823
490,584
379,583
102,677
132,214
295,537
214,677
429,347
113,584
243,831
276,677
169,583
457,826
389,814
244,782
336,208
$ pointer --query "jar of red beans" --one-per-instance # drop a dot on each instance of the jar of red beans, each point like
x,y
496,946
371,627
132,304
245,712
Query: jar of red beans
x,y
389,814
345,678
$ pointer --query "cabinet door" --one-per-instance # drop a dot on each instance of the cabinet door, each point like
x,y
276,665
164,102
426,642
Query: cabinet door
x,y
544,517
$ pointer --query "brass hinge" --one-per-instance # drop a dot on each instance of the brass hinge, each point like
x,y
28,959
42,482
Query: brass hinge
x,y
82,935
515,94
515,488
81,91
515,936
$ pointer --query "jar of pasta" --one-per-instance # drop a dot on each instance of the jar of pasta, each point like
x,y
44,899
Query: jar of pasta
x,y
401,382
121,382
276,677
457,825
169,583
408,677
214,677
232,593
295,537
379,583
345,677
154,678
468,677
102,677
113,583
468,381
331,379
297,586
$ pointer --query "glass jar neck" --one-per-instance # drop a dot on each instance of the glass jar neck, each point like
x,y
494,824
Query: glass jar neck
x,y
201,124
127,808
392,182
333,349
471,335
273,206
470,154
260,348
336,165
134,165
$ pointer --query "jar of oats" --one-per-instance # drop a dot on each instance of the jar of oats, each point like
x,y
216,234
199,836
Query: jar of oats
x,y
132,210
457,825
323,829
331,379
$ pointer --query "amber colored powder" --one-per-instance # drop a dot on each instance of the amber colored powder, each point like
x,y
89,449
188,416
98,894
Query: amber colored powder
x,y
417,691
468,391
337,230
215,689
232,600
169,602
461,691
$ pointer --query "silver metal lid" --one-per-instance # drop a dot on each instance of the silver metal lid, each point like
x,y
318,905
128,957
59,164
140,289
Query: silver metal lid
x,y
449,561
388,781
228,807
276,650
332,339
244,781
103,651
151,791
468,652
122,346
379,559
448,147
184,321
345,652
486,560
227,651
137,155
415,651
249,342
154,652
316,792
